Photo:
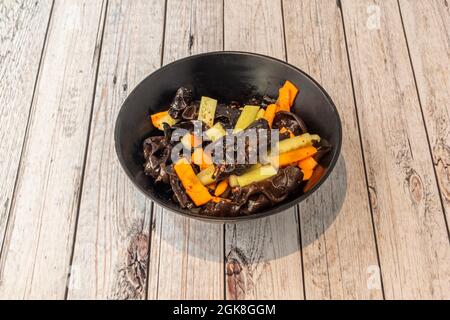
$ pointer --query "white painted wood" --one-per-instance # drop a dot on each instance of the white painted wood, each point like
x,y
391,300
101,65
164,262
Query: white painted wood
x,y
186,259
263,257
22,35
409,221
427,28
339,252
111,248
38,242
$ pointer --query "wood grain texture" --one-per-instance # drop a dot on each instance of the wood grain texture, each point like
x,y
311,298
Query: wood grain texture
x,y
39,237
23,26
263,258
186,259
339,264
409,221
427,28
111,249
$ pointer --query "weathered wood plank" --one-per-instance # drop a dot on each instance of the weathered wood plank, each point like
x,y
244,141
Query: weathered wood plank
x,y
339,252
38,242
263,258
409,222
427,28
111,248
23,27
186,259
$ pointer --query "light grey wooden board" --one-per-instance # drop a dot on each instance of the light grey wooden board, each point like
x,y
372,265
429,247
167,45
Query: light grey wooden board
x,y
263,257
339,252
186,258
427,28
39,237
111,248
410,228
23,26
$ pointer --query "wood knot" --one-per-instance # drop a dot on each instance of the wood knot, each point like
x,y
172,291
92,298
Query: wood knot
x,y
233,267
236,287
415,186
134,274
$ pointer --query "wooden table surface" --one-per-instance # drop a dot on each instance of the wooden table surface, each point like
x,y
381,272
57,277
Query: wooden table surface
x,y
72,225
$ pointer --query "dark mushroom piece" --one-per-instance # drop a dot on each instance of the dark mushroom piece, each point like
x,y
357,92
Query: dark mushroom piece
x,y
182,100
227,115
275,189
191,111
257,196
157,151
263,101
266,100
289,121
179,195
222,208
230,146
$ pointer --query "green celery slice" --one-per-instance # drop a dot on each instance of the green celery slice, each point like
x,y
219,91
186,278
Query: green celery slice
x,y
207,110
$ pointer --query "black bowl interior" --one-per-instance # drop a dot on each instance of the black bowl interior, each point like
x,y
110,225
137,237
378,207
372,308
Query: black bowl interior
x,y
225,76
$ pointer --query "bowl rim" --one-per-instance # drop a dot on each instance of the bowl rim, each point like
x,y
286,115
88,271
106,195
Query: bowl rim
x,y
213,219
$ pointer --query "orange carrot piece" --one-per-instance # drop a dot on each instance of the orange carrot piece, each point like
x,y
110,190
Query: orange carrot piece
x,y
284,99
293,91
270,113
307,164
157,117
195,141
290,157
307,173
191,141
200,158
194,188
221,187
317,174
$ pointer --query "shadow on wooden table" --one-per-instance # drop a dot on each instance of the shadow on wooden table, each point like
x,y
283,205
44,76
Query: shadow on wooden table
x,y
282,235
281,232
319,211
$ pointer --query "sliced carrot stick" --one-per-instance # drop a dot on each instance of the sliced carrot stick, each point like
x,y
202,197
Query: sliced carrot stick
x,y
270,113
200,158
293,91
195,141
221,187
290,157
284,99
191,141
159,118
308,163
307,173
317,174
194,188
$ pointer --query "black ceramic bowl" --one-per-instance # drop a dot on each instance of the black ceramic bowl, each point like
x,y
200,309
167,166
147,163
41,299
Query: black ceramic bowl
x,y
225,76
